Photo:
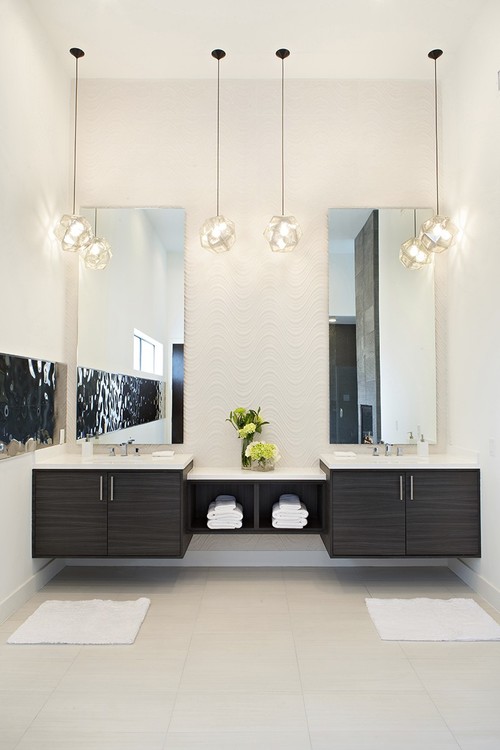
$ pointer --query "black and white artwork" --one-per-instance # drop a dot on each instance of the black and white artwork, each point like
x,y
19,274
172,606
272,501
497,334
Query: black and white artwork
x,y
108,401
27,402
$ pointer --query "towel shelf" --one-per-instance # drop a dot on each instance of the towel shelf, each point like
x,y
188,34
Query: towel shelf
x,y
257,497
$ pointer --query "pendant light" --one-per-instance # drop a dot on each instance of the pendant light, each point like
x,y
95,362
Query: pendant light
x,y
217,234
412,253
74,232
439,232
97,253
283,232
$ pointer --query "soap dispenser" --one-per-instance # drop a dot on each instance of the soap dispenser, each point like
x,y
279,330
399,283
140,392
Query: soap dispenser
x,y
87,448
422,447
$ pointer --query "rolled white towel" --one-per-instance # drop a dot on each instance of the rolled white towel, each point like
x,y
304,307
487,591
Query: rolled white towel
x,y
219,523
299,523
289,500
290,511
223,511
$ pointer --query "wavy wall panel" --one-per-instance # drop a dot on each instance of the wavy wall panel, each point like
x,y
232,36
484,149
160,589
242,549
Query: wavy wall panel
x,y
256,324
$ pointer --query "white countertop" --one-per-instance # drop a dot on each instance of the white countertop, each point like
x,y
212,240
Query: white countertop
x,y
236,473
410,461
178,462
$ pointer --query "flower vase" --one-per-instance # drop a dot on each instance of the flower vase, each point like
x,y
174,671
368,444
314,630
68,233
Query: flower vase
x,y
263,464
246,461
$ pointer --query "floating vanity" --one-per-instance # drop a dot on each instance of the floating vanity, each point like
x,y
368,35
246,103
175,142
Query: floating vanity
x,y
110,506
402,506
365,506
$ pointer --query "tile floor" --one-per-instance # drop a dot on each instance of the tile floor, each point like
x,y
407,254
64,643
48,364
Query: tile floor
x,y
238,658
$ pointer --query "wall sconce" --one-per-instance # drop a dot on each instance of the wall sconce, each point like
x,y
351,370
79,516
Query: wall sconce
x,y
283,232
412,253
439,232
97,253
74,232
217,233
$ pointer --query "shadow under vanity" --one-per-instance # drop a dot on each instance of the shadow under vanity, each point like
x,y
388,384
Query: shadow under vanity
x,y
150,507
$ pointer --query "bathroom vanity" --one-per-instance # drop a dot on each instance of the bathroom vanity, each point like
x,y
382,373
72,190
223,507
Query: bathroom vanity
x,y
109,507
402,506
361,507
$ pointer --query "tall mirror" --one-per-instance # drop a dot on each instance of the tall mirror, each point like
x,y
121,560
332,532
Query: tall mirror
x,y
131,329
381,329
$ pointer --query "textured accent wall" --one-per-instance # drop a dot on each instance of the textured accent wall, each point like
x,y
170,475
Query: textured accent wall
x,y
256,323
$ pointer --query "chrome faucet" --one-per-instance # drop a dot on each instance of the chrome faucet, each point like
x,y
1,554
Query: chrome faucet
x,y
124,447
388,449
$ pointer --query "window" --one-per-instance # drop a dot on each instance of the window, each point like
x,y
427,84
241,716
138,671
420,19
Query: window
x,y
148,354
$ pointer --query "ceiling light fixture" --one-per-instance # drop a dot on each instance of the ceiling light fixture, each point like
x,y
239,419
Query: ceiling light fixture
x,y
217,234
439,232
412,253
283,232
97,253
74,232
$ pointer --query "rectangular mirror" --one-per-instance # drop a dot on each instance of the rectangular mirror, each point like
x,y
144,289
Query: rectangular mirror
x,y
381,329
131,329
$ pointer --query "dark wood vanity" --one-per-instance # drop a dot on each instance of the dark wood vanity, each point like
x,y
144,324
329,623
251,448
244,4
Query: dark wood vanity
x,y
100,513
403,513
412,511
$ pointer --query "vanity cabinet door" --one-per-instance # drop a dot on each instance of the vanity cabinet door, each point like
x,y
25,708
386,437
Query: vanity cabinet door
x,y
69,513
144,514
442,512
368,513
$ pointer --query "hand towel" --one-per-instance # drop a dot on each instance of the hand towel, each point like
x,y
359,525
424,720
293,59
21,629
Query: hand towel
x,y
224,512
289,500
290,511
291,524
229,501
218,523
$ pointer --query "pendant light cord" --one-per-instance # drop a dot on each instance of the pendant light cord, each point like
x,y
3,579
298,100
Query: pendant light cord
x,y
436,134
282,136
217,179
74,141
77,53
435,54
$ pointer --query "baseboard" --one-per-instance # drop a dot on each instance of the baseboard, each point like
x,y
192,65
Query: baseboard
x,y
29,587
258,559
476,582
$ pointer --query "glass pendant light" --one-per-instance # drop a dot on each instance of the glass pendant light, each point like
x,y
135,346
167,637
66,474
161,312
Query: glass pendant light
x,y
97,253
439,232
412,253
217,233
283,232
74,232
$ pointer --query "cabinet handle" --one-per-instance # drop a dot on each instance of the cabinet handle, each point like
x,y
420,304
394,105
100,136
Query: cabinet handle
x,y
111,494
411,487
400,486
100,489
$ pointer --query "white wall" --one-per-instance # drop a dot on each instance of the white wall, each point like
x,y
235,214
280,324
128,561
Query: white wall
x,y
38,283
471,194
256,323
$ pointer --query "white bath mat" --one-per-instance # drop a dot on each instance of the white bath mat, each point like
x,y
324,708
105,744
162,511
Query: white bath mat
x,y
94,621
432,620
